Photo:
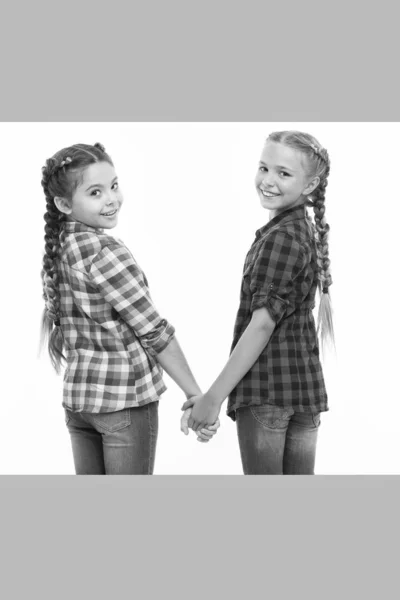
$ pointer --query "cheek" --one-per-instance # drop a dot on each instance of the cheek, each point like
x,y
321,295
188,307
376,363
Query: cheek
x,y
78,206
290,187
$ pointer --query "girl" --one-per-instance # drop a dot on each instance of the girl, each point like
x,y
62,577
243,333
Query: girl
x,y
274,375
100,314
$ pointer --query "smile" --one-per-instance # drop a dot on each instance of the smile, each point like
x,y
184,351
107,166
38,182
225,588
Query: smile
x,y
269,194
109,214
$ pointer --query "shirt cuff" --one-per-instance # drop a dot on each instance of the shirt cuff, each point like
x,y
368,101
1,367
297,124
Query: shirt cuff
x,y
158,339
277,307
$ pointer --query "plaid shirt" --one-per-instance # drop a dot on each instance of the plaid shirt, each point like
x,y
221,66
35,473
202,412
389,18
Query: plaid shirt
x,y
280,273
111,329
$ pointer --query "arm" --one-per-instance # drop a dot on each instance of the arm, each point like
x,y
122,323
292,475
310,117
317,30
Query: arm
x,y
122,284
174,363
253,341
272,282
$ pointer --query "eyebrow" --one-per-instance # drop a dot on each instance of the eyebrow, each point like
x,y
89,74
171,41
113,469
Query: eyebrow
x,y
99,185
280,167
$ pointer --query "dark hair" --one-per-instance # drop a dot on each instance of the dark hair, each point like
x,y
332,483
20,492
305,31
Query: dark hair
x,y
318,165
61,175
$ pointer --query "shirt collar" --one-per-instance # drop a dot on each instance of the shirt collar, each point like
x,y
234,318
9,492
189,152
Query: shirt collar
x,y
76,227
292,214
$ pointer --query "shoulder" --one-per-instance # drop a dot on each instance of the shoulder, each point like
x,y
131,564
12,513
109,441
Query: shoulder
x,y
280,250
83,248
282,239
111,243
113,257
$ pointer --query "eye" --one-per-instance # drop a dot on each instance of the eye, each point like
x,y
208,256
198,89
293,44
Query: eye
x,y
262,169
95,193
284,174
115,186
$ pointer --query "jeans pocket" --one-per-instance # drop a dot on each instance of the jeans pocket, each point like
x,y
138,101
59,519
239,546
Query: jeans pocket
x,y
66,416
316,417
112,421
270,416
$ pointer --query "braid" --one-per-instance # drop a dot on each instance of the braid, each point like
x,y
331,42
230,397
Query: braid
x,y
51,294
60,177
318,166
325,322
322,228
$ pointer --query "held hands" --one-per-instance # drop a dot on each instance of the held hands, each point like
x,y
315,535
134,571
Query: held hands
x,y
204,413
203,435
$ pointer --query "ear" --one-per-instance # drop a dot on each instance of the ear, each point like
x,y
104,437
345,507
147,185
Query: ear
x,y
63,205
311,186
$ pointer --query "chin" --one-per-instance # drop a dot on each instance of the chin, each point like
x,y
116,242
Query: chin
x,y
267,205
110,226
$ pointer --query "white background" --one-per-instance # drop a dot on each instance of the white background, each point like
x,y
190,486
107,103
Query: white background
x,y
189,217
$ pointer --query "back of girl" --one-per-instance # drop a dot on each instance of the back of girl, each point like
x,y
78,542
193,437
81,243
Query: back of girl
x,y
274,376
100,321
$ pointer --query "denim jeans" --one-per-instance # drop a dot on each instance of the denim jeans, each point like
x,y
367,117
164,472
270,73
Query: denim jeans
x,y
277,441
115,443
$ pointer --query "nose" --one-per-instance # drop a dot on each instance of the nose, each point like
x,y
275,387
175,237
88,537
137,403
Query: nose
x,y
110,199
268,180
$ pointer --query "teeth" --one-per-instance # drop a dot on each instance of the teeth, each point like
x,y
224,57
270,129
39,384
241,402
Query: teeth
x,y
110,213
268,194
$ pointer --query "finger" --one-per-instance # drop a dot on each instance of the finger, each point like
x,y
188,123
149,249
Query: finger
x,y
199,439
206,433
185,417
190,422
187,404
184,421
200,425
214,427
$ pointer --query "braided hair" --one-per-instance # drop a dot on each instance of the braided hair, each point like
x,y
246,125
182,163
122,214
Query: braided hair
x,y
61,175
318,166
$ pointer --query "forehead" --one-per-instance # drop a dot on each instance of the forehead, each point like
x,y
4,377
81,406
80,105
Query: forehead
x,y
97,173
277,154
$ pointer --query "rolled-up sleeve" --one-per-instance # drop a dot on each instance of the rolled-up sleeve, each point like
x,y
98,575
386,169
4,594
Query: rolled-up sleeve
x,y
122,284
273,276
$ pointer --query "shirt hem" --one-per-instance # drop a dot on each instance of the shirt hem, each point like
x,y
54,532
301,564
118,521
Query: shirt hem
x,y
311,408
100,409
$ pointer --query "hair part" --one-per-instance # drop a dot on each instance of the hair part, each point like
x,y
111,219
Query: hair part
x,y
317,165
61,175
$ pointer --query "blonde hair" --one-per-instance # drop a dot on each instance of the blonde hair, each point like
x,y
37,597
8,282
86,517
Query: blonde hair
x,y
318,164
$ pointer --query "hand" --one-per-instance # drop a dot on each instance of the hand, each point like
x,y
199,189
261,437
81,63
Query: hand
x,y
205,411
205,434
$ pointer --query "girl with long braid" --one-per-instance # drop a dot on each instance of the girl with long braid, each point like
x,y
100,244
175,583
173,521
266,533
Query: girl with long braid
x,y
274,377
100,320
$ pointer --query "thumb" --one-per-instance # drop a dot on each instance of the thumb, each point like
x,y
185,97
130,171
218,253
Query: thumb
x,y
188,404
184,422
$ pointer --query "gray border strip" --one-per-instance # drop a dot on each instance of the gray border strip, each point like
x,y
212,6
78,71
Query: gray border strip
x,y
182,61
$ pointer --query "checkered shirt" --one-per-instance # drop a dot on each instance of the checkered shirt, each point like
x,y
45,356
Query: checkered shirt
x,y
280,274
111,328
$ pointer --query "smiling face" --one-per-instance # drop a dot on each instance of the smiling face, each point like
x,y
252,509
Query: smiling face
x,y
96,200
282,181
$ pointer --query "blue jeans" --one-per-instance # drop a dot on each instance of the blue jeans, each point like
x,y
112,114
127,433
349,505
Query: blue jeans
x,y
277,441
115,443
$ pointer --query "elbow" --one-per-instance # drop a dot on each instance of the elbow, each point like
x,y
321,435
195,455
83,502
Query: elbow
x,y
263,321
158,339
